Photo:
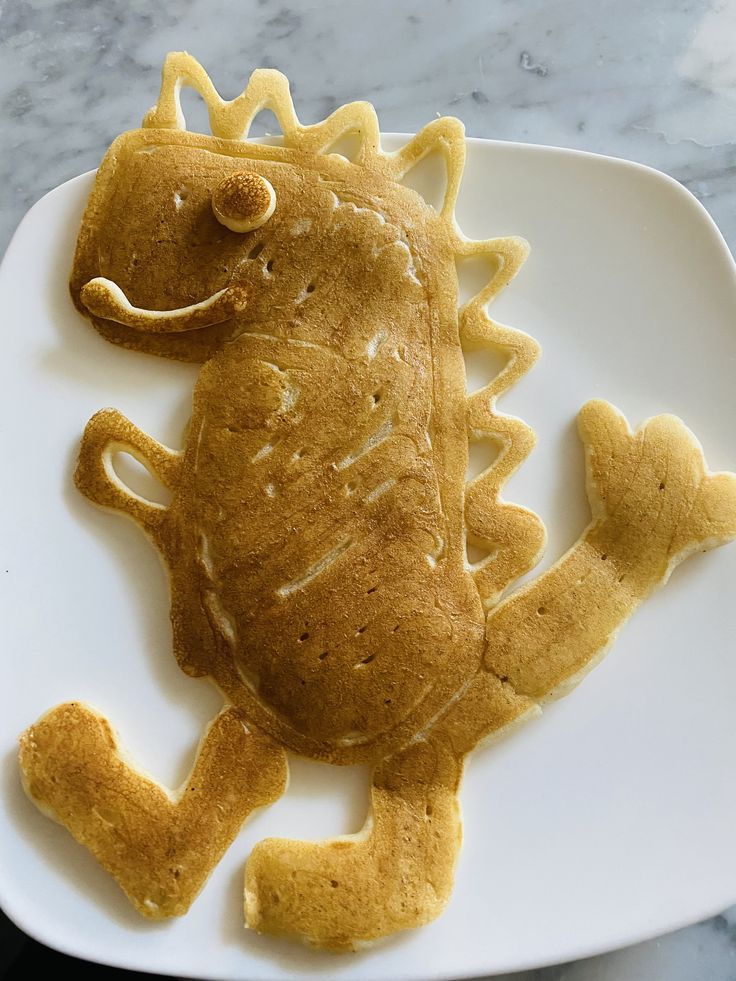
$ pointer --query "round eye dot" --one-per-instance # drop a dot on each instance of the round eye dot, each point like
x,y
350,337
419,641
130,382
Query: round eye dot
x,y
243,201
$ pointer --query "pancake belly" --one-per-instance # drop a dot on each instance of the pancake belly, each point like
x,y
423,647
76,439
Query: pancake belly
x,y
312,508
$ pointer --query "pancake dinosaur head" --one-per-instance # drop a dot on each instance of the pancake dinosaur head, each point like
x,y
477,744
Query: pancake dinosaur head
x,y
189,238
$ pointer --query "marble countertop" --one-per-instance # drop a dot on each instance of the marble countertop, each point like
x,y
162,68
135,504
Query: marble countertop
x,y
655,82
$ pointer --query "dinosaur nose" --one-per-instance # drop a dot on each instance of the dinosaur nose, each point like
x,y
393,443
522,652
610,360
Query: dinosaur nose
x,y
243,201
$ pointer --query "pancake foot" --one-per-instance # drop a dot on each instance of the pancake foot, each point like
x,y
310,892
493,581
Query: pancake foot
x,y
395,874
160,847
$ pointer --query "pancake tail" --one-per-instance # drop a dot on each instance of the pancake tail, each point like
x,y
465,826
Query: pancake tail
x,y
654,502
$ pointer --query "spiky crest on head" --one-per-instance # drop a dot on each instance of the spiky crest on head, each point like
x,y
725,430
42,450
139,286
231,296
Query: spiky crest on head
x,y
269,89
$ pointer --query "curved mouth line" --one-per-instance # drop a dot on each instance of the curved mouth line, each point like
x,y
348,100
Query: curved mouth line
x,y
104,298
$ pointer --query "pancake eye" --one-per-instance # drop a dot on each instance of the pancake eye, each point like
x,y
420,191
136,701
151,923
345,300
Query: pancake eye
x,y
243,201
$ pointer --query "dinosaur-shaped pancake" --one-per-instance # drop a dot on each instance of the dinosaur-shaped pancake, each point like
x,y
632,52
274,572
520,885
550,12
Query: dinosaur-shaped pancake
x,y
318,534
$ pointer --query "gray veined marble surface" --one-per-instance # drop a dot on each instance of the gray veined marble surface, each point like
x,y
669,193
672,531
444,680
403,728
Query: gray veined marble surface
x,y
652,81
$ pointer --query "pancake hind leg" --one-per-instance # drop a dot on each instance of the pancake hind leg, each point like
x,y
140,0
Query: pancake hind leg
x,y
395,874
160,847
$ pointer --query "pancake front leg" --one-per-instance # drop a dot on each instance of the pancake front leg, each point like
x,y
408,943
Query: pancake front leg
x,y
654,503
393,875
160,847
107,433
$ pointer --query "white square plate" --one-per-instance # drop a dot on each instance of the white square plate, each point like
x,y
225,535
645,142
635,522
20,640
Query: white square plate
x,y
608,820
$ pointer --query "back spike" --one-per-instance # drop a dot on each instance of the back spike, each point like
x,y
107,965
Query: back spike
x,y
357,118
513,536
267,89
445,134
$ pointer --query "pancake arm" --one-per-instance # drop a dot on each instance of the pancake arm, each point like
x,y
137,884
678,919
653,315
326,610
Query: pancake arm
x,y
653,504
108,432
512,536
160,847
